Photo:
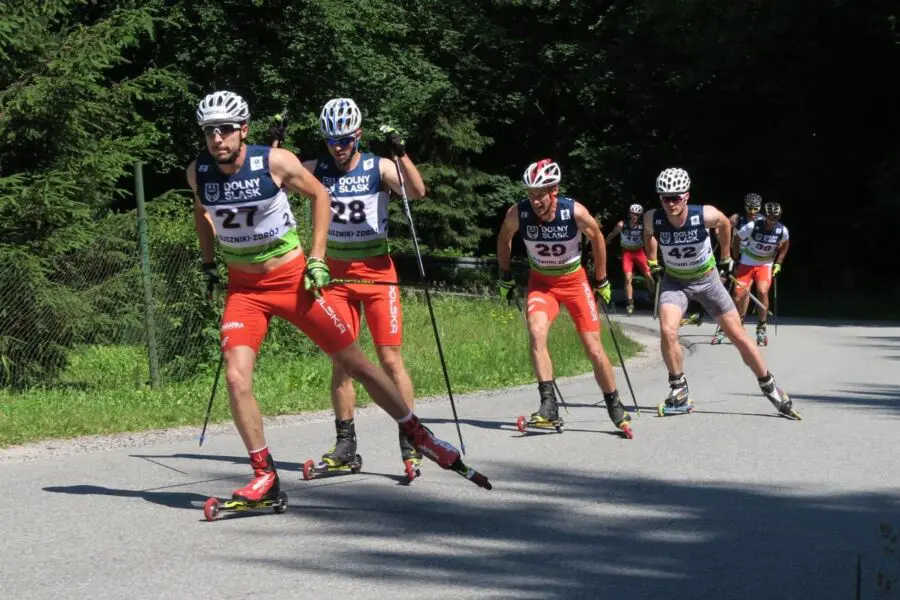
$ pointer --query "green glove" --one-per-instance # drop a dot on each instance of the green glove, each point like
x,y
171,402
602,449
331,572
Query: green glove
x,y
316,276
776,269
507,287
655,270
604,290
394,140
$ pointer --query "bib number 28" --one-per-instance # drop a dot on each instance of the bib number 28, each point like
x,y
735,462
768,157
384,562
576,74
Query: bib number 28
x,y
349,212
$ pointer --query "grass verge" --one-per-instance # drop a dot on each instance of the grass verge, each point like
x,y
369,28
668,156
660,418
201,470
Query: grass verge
x,y
485,346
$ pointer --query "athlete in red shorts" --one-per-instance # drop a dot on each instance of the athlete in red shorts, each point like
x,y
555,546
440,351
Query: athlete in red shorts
x,y
631,231
360,185
551,227
240,202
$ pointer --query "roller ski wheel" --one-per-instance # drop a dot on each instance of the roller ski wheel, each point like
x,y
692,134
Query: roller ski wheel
x,y
717,339
629,308
523,423
471,474
786,408
213,507
665,410
314,470
762,340
413,468
626,430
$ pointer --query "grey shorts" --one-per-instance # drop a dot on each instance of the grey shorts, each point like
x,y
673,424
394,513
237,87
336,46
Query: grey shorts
x,y
708,291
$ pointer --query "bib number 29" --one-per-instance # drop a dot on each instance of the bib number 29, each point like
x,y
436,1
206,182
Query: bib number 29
x,y
350,212
550,249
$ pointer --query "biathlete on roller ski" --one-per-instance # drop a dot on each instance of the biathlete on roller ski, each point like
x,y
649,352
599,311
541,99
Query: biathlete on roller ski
x,y
631,235
240,203
679,231
551,227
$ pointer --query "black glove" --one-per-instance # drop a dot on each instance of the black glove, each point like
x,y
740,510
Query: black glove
x,y
507,287
276,132
725,268
394,140
213,281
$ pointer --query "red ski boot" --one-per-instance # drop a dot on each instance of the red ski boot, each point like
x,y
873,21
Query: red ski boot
x,y
263,486
441,452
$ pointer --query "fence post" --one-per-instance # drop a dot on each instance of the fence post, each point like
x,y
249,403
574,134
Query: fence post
x,y
149,320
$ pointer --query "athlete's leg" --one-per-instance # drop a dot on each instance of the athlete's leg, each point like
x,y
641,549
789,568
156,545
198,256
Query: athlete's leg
x,y
391,360
673,303
628,270
763,278
343,395
744,275
541,308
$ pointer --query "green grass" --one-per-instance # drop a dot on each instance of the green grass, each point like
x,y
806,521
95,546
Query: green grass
x,y
103,389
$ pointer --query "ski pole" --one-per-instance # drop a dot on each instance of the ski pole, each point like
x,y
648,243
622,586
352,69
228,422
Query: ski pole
x,y
437,336
775,298
612,334
752,297
211,397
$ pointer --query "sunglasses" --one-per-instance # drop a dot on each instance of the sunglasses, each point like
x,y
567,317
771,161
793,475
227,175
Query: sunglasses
x,y
222,129
672,199
342,142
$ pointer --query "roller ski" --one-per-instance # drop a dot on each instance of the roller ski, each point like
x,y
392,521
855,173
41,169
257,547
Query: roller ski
x,y
412,458
678,402
762,338
443,453
629,306
718,337
779,399
617,414
262,492
547,416
342,458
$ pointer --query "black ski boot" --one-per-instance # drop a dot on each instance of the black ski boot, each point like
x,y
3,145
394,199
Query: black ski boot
x,y
342,457
617,414
779,399
678,401
547,416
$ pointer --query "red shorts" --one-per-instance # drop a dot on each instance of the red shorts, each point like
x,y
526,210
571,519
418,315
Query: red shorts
x,y
381,303
547,292
630,257
253,298
747,274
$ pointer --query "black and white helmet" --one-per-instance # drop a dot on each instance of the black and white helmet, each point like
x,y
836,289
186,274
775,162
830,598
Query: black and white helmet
x,y
772,209
340,117
636,209
752,200
673,181
222,107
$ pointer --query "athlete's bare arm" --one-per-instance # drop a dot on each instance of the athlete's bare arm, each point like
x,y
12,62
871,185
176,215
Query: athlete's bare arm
x,y
206,232
288,172
783,248
714,218
412,179
588,226
616,231
650,245
504,239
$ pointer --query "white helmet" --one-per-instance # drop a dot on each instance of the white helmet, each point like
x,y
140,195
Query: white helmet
x,y
222,107
636,209
340,117
543,173
673,181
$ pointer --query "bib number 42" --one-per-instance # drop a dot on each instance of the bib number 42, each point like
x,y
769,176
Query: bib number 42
x,y
689,252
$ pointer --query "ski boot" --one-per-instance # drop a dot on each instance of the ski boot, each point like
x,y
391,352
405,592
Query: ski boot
x,y
617,414
412,458
718,337
342,458
547,416
761,338
693,319
678,402
263,491
441,452
629,306
779,399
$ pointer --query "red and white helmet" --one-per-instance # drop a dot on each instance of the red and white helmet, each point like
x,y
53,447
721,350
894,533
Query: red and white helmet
x,y
543,173
636,209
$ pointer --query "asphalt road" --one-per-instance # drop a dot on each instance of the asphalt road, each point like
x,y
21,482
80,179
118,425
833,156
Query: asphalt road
x,y
729,502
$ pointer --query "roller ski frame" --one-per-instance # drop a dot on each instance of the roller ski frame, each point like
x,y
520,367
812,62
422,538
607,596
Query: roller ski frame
x,y
718,338
664,410
413,468
693,319
762,338
314,470
523,423
214,507
789,413
471,474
